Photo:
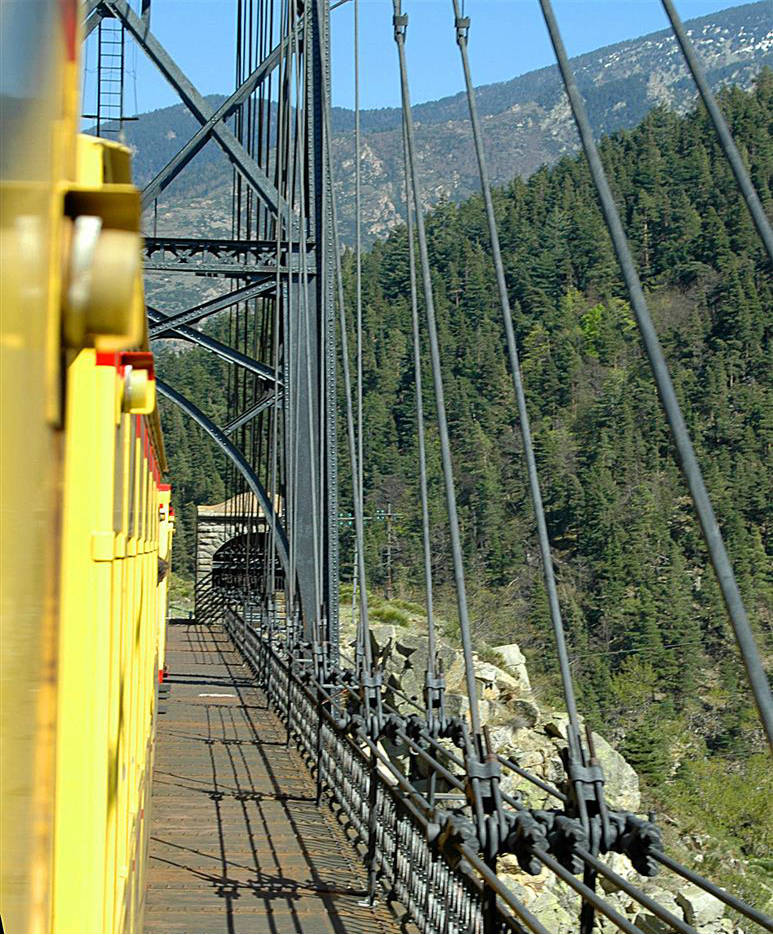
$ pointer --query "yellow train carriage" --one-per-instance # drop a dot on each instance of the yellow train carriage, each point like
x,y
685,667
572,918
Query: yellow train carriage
x,y
85,521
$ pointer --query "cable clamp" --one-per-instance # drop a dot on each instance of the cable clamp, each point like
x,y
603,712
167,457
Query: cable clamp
x,y
371,681
489,769
462,28
400,22
434,681
487,773
589,774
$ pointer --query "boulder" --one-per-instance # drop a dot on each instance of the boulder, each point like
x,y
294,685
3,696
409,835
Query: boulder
x,y
526,713
494,683
446,655
648,922
458,705
409,641
621,784
644,919
515,664
541,894
700,909
411,682
622,867
532,751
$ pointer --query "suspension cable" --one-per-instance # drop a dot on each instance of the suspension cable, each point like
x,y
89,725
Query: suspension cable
x,y
574,737
400,22
356,494
358,241
311,614
420,431
689,463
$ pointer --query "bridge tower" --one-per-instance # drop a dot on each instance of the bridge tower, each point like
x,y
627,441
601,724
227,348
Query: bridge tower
x,y
272,279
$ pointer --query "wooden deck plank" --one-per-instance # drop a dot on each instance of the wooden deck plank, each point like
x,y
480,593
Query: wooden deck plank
x,y
238,843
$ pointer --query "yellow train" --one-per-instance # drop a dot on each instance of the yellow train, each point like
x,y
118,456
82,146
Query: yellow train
x,y
85,522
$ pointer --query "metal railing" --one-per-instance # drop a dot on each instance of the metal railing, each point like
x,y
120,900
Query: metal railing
x,y
406,855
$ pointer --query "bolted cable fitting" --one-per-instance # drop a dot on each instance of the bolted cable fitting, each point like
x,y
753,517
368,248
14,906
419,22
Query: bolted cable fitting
x,y
456,831
462,24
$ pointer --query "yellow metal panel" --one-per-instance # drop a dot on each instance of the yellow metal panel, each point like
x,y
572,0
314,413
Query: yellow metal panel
x,y
73,858
81,774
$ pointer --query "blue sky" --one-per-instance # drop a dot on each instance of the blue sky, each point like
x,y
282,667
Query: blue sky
x,y
507,38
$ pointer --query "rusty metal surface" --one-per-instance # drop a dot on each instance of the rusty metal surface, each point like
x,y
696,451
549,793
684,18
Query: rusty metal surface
x,y
237,841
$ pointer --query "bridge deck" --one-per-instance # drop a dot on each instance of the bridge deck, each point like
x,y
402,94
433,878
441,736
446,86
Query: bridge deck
x,y
237,841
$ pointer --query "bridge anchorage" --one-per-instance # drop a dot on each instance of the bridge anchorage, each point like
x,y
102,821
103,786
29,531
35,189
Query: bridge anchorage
x,y
422,793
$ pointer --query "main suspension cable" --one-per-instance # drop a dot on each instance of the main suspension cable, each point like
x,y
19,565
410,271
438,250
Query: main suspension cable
x,y
574,737
400,22
420,431
351,437
358,241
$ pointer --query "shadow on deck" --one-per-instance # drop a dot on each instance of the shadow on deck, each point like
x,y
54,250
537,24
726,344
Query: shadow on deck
x,y
238,843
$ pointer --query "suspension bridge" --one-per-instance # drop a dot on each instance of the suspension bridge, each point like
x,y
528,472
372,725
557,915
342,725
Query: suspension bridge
x,y
288,795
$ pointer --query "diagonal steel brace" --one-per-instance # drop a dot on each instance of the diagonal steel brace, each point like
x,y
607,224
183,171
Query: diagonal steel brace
x,y
199,139
252,173
211,307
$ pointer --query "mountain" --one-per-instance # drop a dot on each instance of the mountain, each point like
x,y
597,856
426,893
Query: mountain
x,y
526,121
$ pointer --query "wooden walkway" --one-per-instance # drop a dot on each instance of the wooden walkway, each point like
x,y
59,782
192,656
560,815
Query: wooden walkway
x,y
237,841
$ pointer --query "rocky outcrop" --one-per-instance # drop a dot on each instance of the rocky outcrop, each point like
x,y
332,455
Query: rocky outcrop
x,y
521,731
533,738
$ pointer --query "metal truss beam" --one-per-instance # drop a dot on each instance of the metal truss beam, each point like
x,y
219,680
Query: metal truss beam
x,y
221,257
213,269
211,344
264,403
252,173
199,139
215,246
93,20
243,466
198,312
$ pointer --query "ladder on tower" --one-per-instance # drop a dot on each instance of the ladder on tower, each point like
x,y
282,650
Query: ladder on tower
x,y
111,60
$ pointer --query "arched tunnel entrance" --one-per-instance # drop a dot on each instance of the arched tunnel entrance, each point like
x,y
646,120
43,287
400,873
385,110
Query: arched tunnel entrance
x,y
233,546
239,565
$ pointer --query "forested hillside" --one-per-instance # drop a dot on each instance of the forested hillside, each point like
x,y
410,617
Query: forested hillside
x,y
632,565
650,647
